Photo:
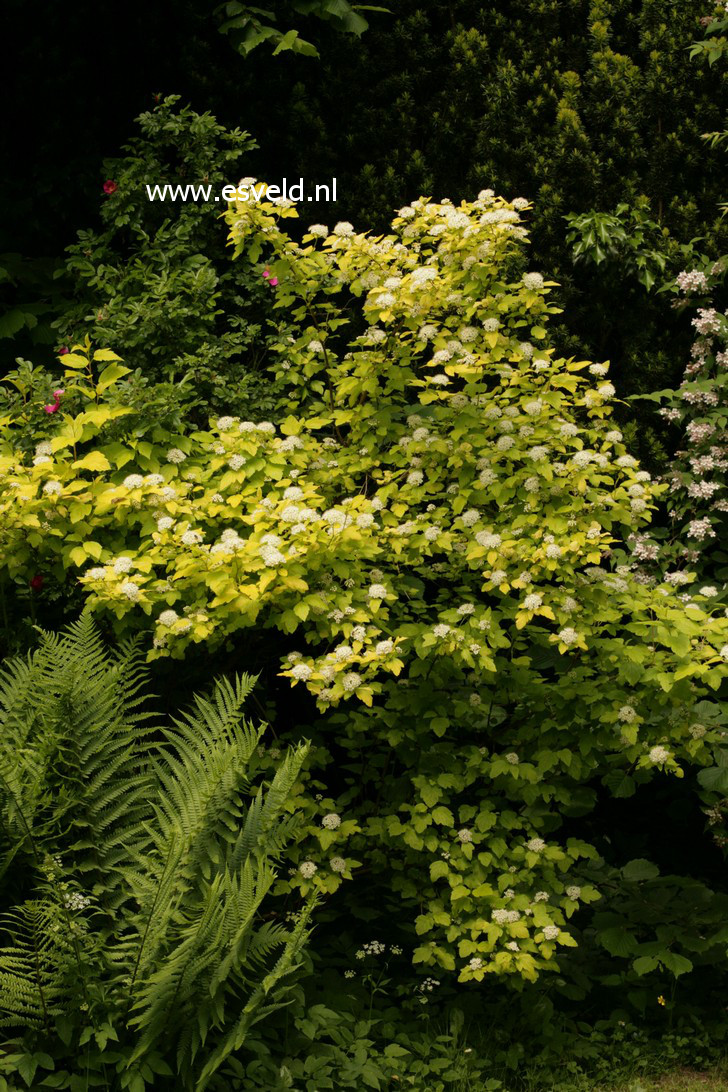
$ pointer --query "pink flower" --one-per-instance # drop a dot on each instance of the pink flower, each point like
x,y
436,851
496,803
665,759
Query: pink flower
x,y
266,274
58,394
273,282
110,186
63,350
51,409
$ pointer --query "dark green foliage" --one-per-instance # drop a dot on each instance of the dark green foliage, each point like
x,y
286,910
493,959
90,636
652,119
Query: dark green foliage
x,y
249,26
156,284
135,864
575,104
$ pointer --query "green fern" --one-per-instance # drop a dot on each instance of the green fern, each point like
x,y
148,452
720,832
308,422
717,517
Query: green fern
x,y
139,858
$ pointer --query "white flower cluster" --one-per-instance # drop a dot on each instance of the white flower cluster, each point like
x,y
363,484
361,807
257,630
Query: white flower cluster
x,y
505,917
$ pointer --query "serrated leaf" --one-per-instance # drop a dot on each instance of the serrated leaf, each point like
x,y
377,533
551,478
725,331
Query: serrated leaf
x,y
644,964
676,963
617,941
638,870
443,816
93,461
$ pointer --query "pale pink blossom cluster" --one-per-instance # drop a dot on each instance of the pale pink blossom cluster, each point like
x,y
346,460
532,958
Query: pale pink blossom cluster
x,y
708,321
694,281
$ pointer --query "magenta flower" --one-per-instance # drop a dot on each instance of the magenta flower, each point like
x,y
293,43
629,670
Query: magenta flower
x,y
51,409
110,186
58,394
63,350
266,274
273,282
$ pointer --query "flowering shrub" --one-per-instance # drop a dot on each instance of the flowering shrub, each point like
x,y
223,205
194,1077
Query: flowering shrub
x,y
689,548
433,515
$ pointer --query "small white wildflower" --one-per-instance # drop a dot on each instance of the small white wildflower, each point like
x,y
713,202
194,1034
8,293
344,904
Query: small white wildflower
x,y
551,932
133,481
52,489
130,590
332,821
573,892
168,617
351,681
512,758
626,714
174,455
122,565
536,845
659,754
568,636
308,869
